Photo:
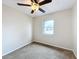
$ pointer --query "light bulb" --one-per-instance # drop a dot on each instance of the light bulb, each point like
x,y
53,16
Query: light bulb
x,y
35,6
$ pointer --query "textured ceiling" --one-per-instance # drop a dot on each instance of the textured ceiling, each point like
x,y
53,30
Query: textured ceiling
x,y
54,6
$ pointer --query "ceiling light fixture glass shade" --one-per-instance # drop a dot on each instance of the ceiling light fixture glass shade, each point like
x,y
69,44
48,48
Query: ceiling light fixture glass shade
x,y
35,6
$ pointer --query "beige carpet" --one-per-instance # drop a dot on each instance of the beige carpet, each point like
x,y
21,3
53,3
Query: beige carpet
x,y
36,51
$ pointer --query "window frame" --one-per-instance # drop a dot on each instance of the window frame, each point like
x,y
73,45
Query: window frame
x,y
43,23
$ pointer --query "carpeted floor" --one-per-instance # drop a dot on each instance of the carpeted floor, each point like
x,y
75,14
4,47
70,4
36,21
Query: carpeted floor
x,y
36,51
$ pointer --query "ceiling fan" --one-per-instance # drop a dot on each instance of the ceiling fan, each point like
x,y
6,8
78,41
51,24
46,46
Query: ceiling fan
x,y
35,5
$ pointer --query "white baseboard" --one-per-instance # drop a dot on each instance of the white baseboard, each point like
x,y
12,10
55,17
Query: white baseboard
x,y
15,49
54,45
75,54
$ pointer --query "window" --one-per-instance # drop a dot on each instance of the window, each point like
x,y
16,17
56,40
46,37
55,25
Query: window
x,y
48,27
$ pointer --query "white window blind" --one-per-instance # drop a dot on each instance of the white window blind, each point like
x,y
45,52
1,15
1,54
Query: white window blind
x,y
48,27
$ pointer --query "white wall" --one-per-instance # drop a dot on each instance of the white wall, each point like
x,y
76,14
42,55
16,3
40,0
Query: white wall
x,y
62,37
74,23
16,28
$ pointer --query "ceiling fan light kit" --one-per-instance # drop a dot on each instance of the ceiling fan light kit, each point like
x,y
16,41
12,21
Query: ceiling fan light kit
x,y
35,5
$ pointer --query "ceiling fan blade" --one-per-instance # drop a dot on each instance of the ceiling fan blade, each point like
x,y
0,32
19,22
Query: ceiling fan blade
x,y
32,1
32,12
20,4
35,1
41,10
45,2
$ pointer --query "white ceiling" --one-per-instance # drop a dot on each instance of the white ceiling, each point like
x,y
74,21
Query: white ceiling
x,y
55,5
